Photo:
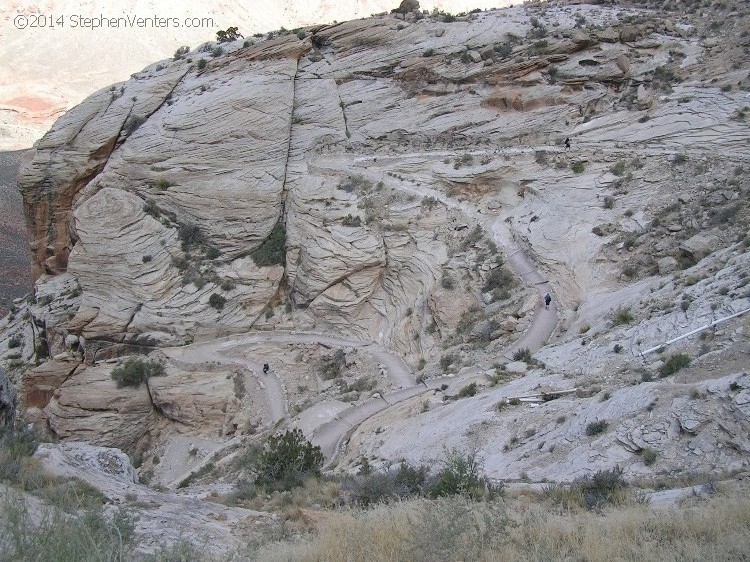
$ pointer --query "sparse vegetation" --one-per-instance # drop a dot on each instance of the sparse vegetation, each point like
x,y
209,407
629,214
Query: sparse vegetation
x,y
287,460
273,249
648,455
468,390
673,364
596,428
622,316
135,371
578,167
217,301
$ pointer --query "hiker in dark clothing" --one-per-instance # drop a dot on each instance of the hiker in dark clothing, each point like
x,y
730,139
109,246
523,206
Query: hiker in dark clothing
x,y
567,143
547,300
266,368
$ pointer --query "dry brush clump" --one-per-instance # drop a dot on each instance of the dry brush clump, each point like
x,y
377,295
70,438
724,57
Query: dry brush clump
x,y
454,528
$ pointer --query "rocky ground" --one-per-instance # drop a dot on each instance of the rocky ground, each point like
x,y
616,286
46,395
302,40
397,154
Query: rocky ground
x,y
376,209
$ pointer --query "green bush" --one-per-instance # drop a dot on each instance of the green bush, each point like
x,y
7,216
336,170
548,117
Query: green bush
x,y
191,235
622,316
369,488
354,183
217,301
674,364
460,475
51,534
349,220
596,428
14,341
230,34
447,282
649,456
201,64
135,370
181,52
468,390
332,366
606,487
523,354
287,460
133,122
619,168
578,167
500,279
273,249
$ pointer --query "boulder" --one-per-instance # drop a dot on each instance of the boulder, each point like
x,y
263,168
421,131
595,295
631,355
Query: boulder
x,y
89,406
667,265
699,246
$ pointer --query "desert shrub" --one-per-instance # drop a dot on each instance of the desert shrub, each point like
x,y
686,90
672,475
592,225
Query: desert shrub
x,y
349,220
332,366
460,475
606,487
540,157
181,52
447,282
17,442
273,249
468,390
673,364
191,235
230,34
428,53
151,208
447,360
622,316
51,534
135,370
619,168
217,301
578,167
147,258
596,428
287,460
499,278
202,64
354,183
406,6
648,455
617,348
503,50
132,123
14,341
523,354
609,202
369,488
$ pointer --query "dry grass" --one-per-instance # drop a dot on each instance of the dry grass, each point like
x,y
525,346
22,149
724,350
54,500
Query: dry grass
x,y
455,529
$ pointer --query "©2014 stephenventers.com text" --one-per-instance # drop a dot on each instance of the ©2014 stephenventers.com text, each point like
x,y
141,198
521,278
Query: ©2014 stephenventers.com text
x,y
79,21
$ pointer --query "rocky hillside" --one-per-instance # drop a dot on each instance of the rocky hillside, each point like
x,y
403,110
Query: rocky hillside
x,y
376,209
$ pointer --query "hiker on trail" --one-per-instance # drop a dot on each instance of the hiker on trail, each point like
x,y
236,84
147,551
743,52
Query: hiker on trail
x,y
567,143
547,300
265,368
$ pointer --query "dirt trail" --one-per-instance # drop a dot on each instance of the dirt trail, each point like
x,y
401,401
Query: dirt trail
x,y
331,435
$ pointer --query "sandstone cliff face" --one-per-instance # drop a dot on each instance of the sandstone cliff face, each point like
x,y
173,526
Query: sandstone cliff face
x,y
364,180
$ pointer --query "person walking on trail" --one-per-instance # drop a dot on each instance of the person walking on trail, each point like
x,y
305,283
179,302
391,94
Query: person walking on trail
x,y
266,368
567,143
547,300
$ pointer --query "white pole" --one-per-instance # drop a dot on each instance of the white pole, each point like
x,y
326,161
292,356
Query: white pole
x,y
712,324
